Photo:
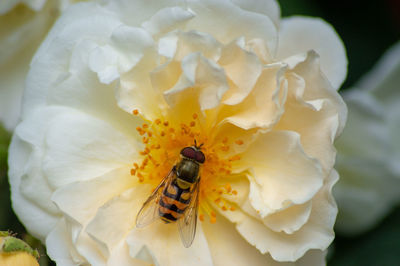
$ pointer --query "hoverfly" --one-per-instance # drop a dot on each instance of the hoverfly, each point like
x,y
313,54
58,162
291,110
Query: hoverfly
x,y
176,198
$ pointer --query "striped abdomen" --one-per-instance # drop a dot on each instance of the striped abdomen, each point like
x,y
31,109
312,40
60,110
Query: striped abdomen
x,y
173,202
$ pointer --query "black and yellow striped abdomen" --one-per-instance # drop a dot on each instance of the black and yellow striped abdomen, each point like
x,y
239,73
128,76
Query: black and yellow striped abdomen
x,y
173,202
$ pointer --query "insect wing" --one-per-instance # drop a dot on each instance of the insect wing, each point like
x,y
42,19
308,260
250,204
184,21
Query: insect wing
x,y
149,211
188,223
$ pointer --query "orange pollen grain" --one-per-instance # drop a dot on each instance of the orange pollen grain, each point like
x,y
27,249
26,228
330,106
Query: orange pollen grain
x,y
135,112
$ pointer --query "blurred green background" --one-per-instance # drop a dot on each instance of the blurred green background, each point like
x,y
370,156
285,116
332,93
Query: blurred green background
x,y
368,29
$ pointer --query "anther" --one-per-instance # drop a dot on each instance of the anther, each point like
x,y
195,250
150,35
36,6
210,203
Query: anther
x,y
194,116
239,142
133,171
135,112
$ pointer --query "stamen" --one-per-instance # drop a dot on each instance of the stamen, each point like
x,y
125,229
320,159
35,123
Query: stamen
x,y
163,141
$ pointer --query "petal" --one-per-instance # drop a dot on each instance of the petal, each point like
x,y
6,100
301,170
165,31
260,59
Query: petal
x,y
80,147
201,81
120,256
317,233
264,106
40,221
153,238
116,217
195,41
125,51
142,9
301,34
167,19
269,8
314,110
211,18
290,219
81,200
59,246
279,169
242,68
229,248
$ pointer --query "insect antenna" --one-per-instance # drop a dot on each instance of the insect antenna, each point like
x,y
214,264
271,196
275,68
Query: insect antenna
x,y
199,146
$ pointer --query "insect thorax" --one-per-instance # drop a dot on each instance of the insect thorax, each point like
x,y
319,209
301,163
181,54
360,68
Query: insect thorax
x,y
187,170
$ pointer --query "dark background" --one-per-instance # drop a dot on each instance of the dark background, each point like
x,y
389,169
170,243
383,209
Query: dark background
x,y
368,29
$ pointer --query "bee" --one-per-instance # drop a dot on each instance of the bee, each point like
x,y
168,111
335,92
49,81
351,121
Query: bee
x,y
176,198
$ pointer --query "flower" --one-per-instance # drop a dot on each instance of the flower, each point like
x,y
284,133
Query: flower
x,y
118,89
369,149
23,26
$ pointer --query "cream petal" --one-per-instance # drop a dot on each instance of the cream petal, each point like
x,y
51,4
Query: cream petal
x,y
154,238
313,110
81,147
167,19
301,34
317,233
242,68
202,80
81,200
211,18
279,168
265,104
195,41
120,256
109,61
289,220
229,248
269,8
142,9
117,217
59,246
40,220
135,90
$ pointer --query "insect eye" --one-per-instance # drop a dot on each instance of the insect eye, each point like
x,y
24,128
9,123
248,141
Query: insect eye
x,y
189,152
200,157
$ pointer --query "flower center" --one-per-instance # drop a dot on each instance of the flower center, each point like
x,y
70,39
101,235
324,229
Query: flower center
x,y
163,142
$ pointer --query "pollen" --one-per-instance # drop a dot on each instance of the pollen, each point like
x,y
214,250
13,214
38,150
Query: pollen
x,y
162,141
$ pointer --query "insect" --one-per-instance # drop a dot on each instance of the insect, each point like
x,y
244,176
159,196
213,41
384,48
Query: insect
x,y
176,198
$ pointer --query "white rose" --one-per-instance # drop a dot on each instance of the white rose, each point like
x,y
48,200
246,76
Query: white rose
x,y
369,148
82,165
